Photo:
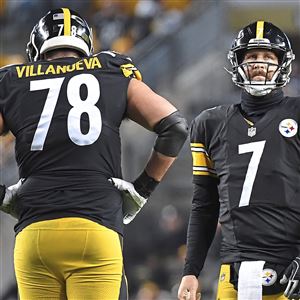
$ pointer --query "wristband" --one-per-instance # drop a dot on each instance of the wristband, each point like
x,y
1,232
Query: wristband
x,y
145,185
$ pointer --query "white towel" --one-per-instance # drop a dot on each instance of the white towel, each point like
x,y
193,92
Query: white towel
x,y
250,280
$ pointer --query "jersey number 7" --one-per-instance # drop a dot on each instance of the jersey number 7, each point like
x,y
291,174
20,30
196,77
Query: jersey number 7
x,y
79,106
257,148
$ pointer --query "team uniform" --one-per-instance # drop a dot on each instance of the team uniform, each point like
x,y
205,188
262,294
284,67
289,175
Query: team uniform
x,y
65,115
243,158
246,176
65,108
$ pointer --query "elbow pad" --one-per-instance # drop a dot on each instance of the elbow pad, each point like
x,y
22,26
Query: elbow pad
x,y
172,132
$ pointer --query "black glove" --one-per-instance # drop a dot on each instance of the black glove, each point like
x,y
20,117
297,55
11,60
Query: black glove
x,y
291,276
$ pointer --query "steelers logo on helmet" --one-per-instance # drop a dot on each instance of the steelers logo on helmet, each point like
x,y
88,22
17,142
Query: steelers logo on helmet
x,y
288,127
269,277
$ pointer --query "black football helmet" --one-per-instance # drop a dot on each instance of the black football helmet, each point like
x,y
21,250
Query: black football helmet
x,y
60,28
261,35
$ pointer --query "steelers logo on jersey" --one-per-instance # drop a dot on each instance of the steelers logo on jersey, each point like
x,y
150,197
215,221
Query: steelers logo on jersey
x,y
288,127
269,277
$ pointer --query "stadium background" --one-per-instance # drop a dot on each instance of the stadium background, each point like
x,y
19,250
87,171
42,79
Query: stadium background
x,y
180,46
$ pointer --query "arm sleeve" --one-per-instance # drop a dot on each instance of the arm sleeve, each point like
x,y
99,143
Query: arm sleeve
x,y
205,204
202,225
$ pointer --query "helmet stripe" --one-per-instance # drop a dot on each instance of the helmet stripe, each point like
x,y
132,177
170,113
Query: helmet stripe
x,y
260,29
67,21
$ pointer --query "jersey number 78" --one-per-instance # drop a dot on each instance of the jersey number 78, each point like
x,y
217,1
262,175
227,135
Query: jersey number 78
x,y
79,106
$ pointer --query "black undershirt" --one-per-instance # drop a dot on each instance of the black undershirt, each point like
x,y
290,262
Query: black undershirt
x,y
253,107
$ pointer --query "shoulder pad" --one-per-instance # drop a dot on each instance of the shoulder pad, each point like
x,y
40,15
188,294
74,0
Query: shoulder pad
x,y
120,62
4,70
212,115
209,113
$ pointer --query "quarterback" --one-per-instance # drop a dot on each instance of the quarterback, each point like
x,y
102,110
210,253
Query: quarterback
x,y
246,175
65,108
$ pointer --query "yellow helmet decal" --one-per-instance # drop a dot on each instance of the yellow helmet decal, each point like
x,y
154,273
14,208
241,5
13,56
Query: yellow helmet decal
x,y
67,21
260,29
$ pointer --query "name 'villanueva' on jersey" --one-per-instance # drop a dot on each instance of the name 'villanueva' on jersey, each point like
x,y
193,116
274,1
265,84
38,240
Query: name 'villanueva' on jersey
x,y
89,63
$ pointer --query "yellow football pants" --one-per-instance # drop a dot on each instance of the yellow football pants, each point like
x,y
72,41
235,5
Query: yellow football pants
x,y
69,258
226,290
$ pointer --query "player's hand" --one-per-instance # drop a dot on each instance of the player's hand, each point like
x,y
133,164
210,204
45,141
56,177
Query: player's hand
x,y
8,198
188,288
291,276
132,200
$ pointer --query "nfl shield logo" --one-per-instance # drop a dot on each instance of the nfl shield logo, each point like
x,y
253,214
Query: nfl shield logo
x,y
251,131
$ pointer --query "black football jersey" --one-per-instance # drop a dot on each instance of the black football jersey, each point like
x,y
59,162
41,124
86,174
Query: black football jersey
x,y
65,115
258,172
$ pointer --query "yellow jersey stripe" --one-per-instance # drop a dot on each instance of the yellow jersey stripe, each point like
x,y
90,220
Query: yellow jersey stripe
x,y
67,21
204,173
201,173
205,169
197,145
200,159
260,30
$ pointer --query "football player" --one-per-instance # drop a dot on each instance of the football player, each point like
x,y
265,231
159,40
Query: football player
x,y
246,175
65,108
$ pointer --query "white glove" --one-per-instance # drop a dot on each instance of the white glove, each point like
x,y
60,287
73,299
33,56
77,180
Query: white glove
x,y
132,200
8,204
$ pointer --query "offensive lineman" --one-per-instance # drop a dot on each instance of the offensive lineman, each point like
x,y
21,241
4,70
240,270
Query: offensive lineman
x,y
65,108
246,173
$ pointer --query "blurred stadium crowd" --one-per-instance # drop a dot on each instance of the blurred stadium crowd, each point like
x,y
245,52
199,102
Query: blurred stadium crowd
x,y
180,47
118,25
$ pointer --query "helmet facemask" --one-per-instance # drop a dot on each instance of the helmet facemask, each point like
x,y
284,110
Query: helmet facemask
x,y
259,87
